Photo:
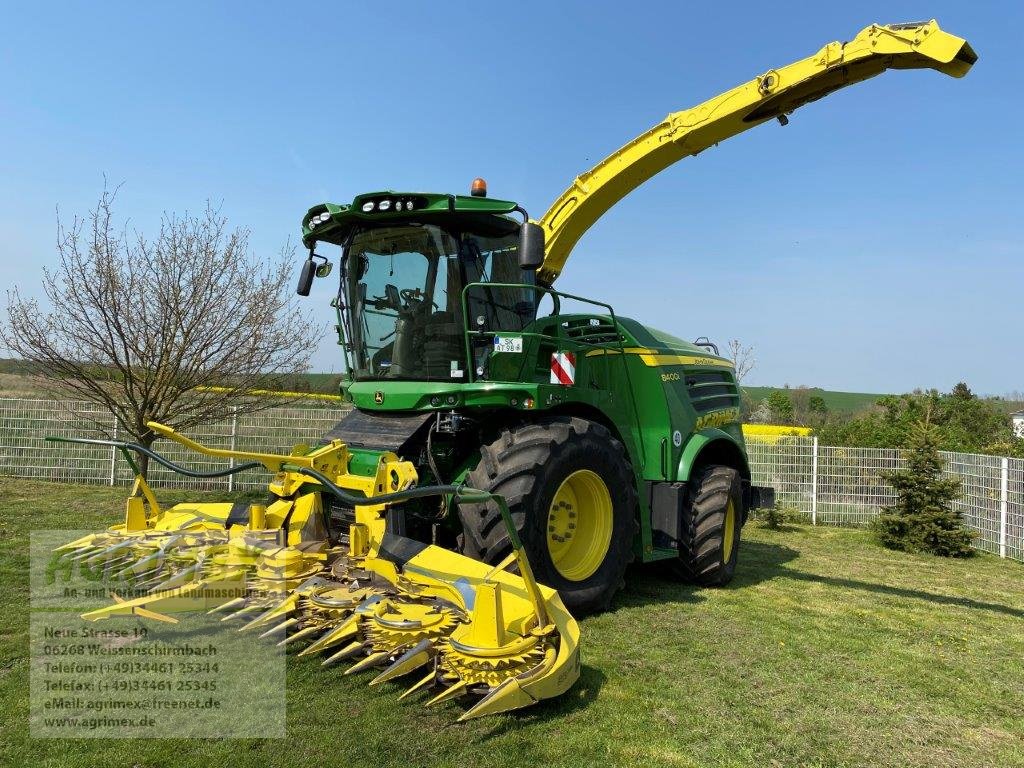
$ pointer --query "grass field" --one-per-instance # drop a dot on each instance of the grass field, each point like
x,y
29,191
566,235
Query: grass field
x,y
825,651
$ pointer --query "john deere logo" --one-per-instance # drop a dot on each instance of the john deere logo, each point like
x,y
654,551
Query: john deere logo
x,y
378,397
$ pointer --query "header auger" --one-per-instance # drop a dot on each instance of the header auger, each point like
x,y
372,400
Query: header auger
x,y
564,444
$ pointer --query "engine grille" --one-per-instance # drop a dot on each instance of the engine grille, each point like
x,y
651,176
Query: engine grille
x,y
712,391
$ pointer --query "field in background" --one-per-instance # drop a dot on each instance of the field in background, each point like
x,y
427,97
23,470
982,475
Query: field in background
x,y
840,403
16,381
826,650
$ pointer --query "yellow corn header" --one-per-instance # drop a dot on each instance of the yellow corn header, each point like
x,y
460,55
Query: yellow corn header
x,y
382,602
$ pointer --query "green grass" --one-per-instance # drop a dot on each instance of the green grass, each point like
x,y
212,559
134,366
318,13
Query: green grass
x,y
845,403
825,651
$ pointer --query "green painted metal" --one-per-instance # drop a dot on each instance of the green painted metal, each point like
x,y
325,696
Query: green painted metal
x,y
427,206
662,396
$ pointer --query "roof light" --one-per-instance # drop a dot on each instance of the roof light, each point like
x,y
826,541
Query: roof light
x,y
385,205
478,188
368,206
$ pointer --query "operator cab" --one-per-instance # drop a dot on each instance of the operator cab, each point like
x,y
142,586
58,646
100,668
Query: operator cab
x,y
417,271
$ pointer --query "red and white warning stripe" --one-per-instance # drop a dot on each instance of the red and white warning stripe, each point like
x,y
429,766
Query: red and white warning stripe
x,y
563,368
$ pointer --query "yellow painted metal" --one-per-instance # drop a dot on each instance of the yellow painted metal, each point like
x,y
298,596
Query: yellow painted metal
x,y
276,393
135,514
257,517
706,361
774,94
580,525
763,431
654,359
330,459
729,532
484,630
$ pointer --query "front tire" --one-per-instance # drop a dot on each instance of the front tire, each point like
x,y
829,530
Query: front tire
x,y
570,488
711,527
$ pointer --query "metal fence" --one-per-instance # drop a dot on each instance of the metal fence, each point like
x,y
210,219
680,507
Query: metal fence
x,y
24,452
834,485
831,485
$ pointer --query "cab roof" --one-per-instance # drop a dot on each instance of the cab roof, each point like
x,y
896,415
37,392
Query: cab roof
x,y
331,222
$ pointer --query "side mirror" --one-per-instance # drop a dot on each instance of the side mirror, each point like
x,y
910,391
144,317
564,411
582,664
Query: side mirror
x,y
531,245
306,277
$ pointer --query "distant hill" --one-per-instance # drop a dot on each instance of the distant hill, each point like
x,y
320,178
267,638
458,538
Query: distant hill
x,y
837,402
17,380
321,383
15,367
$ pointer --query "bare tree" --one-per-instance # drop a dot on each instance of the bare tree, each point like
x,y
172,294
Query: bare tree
x,y
742,358
176,329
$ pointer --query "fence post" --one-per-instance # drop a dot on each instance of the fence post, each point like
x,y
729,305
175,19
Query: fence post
x,y
234,435
1004,488
113,456
814,482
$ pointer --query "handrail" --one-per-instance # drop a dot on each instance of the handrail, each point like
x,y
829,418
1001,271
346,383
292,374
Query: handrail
x,y
556,297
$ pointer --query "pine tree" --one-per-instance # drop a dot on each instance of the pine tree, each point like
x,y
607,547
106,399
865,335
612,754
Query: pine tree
x,y
923,518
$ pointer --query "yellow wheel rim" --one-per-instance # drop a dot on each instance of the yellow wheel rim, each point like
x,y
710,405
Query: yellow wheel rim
x,y
729,534
580,525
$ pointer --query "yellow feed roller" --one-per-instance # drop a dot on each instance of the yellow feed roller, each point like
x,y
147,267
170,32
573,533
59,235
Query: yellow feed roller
x,y
366,595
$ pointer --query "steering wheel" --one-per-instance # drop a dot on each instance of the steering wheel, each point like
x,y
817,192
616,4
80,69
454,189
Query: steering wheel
x,y
413,297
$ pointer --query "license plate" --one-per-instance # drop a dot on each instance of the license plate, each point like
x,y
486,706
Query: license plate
x,y
508,343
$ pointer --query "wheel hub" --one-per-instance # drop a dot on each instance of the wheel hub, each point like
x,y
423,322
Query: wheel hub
x,y
579,525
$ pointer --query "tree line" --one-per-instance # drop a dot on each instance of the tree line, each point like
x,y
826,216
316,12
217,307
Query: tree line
x,y
962,421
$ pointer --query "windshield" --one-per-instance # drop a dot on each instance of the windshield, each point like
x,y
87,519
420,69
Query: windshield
x,y
403,288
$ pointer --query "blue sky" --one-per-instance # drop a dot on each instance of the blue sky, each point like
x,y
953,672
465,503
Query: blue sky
x,y
874,244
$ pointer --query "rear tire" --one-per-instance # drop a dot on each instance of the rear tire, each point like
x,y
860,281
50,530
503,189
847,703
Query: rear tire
x,y
711,527
570,488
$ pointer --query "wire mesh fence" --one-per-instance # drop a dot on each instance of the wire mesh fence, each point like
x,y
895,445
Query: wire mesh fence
x,y
24,451
831,485
834,485
1014,509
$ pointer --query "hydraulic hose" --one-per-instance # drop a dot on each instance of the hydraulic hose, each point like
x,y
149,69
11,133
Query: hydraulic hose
x,y
458,491
161,460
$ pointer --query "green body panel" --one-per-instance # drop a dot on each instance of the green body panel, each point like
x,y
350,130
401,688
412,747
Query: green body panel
x,y
642,396
418,395
672,403
698,442
426,206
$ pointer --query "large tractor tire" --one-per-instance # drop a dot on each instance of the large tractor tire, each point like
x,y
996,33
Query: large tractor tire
x,y
711,527
570,489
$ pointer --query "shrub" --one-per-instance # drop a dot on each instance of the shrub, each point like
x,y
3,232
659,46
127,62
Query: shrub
x,y
777,516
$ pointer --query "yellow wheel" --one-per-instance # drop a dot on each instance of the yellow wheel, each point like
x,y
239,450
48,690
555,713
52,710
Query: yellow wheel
x,y
580,522
572,494
729,532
